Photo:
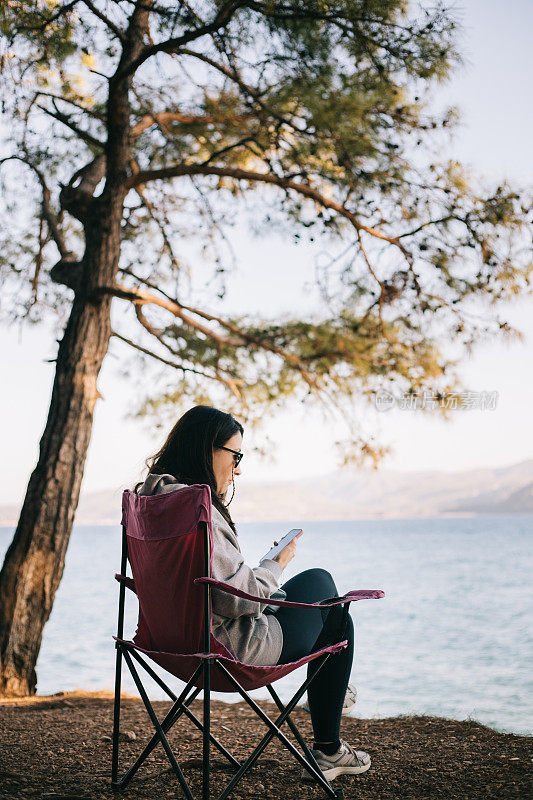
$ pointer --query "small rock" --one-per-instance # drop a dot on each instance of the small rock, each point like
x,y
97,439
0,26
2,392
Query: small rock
x,y
107,738
129,735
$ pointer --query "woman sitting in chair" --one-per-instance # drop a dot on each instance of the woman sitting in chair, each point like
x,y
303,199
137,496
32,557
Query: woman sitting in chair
x,y
204,447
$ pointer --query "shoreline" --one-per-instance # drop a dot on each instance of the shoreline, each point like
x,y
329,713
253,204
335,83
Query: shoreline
x,y
58,746
111,522
109,694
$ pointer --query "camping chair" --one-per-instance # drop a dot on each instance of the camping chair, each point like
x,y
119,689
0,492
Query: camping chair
x,y
168,540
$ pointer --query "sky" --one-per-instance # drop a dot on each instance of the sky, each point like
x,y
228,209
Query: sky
x,y
494,138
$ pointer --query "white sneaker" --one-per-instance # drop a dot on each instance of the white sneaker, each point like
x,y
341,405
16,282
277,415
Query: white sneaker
x,y
350,699
346,761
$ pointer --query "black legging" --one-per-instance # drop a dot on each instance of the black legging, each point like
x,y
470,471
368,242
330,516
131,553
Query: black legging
x,y
308,630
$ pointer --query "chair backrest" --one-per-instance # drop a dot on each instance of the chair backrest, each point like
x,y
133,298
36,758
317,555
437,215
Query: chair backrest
x,y
166,539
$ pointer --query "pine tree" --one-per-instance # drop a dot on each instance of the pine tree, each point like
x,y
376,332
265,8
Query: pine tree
x,y
135,128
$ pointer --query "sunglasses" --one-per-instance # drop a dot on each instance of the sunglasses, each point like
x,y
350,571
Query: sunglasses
x,y
237,455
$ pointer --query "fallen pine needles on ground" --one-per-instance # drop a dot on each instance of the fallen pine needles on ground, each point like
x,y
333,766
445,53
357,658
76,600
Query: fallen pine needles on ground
x,y
59,748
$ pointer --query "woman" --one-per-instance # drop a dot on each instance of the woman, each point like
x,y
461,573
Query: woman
x,y
205,446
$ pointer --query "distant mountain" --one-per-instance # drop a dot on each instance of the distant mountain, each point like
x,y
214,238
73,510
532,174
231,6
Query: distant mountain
x,y
370,494
353,494
94,508
521,500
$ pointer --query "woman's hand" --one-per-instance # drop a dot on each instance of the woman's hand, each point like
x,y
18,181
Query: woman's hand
x,y
288,552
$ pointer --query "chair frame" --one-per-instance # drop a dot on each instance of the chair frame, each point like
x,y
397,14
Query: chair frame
x,y
182,702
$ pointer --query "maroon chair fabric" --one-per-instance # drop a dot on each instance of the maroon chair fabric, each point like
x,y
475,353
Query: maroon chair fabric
x,y
166,552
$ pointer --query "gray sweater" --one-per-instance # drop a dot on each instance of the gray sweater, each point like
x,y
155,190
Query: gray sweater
x,y
252,636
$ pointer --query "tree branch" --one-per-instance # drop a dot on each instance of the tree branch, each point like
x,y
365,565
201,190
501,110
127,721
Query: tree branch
x,y
86,137
48,212
166,240
237,173
222,17
78,200
89,111
162,117
111,25
127,271
52,18
91,175
430,222
233,75
142,297
150,352
268,177
231,383
158,357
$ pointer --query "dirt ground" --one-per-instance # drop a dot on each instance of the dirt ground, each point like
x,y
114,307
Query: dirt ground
x,y
59,748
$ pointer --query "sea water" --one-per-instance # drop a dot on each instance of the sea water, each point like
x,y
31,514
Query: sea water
x,y
453,636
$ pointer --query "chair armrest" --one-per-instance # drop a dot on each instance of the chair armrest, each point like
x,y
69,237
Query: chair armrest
x,y
129,583
356,594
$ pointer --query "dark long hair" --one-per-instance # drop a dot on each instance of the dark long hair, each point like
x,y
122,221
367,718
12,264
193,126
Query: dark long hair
x,y
188,451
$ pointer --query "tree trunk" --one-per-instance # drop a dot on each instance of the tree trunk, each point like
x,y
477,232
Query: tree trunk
x,y
34,562
35,559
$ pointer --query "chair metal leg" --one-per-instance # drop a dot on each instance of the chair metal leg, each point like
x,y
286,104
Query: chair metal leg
x,y
207,728
309,753
298,736
153,674
116,716
179,707
233,761
118,666
220,747
172,716
274,730
157,726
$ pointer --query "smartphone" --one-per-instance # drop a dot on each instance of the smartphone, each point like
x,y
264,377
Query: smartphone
x,y
282,543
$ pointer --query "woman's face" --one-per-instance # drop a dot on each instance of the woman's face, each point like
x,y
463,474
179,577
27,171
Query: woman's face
x,y
223,463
